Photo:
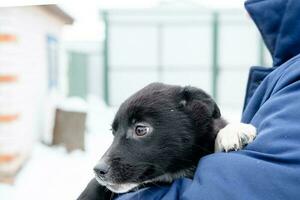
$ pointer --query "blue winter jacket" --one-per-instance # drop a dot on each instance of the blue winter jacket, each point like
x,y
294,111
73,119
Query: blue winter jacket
x,y
268,168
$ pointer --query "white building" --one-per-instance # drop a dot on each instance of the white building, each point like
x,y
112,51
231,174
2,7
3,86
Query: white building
x,y
29,70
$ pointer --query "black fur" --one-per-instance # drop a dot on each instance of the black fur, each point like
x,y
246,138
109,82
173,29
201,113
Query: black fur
x,y
185,122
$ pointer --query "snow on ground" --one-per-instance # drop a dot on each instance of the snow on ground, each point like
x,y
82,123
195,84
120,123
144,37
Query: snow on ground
x,y
53,174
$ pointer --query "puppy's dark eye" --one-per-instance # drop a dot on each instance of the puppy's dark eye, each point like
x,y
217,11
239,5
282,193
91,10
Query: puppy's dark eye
x,y
141,130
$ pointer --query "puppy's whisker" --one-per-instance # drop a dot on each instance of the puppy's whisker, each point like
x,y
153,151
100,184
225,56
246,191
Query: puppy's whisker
x,y
111,196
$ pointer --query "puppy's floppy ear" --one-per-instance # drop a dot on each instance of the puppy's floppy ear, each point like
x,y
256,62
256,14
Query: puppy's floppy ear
x,y
197,101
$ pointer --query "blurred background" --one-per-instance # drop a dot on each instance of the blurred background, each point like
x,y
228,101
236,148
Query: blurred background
x,y
65,68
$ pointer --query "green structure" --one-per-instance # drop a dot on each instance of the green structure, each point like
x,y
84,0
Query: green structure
x,y
220,33
78,63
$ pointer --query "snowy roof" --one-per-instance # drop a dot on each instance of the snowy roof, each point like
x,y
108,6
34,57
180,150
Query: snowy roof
x,y
58,12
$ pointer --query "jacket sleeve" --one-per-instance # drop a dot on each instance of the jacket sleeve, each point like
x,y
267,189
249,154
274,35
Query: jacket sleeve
x,y
266,169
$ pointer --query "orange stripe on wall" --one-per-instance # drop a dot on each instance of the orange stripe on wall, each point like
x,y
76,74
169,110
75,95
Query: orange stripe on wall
x,y
8,118
4,158
8,78
7,37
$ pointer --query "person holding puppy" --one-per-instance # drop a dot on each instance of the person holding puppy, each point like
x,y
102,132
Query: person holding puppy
x,y
268,168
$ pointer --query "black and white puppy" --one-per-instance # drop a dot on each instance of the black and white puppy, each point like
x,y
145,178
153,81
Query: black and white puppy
x,y
160,133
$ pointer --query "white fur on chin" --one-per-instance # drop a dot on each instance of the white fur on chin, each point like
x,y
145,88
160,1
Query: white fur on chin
x,y
117,188
126,187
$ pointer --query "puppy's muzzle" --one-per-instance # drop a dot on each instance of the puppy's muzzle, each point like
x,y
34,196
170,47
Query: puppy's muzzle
x,y
101,169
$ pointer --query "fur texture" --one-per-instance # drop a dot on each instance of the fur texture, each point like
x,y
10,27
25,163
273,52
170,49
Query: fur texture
x,y
184,122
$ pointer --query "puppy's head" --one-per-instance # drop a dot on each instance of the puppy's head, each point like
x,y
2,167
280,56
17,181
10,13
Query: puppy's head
x,y
160,133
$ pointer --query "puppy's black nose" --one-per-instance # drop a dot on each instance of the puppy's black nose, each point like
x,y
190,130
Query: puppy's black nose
x,y
101,169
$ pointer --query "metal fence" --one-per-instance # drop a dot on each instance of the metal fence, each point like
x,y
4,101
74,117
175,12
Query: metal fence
x,y
208,49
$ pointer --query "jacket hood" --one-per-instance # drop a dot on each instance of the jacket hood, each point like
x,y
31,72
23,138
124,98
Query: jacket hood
x,y
279,24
